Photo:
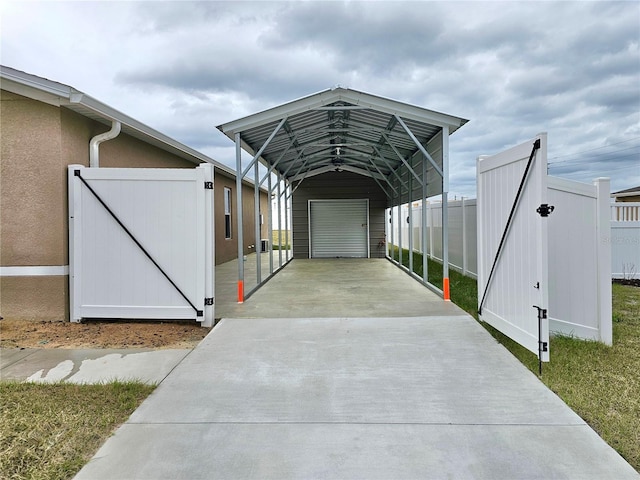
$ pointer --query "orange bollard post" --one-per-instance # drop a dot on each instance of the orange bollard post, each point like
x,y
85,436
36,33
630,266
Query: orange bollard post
x,y
240,291
445,288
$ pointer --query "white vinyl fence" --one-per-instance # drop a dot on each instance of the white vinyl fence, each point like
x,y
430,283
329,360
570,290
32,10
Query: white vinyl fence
x,y
624,237
625,240
579,259
462,233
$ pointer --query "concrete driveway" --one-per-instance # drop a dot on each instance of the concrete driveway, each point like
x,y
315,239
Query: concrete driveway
x,y
341,397
328,288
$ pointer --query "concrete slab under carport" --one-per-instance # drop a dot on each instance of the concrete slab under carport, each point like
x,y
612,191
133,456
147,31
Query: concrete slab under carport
x,y
332,287
412,397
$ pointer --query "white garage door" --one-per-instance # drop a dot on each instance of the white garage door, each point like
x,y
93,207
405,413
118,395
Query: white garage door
x,y
339,228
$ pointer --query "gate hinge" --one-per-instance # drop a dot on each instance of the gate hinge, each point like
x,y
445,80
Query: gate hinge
x,y
545,210
208,185
208,301
543,346
542,312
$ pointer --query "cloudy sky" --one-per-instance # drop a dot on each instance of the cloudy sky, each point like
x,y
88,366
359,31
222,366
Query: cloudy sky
x,y
514,69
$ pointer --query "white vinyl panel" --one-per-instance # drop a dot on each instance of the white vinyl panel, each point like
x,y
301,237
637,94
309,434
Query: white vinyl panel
x,y
181,259
436,226
625,249
573,271
511,294
86,224
131,263
472,234
455,235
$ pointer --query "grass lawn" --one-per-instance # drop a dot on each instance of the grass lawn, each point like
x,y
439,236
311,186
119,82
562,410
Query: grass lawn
x,y
284,236
600,383
51,431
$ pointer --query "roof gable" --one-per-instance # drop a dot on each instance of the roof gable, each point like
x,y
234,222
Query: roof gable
x,y
344,129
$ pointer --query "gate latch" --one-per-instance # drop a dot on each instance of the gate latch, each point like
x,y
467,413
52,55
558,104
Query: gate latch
x,y
542,346
545,209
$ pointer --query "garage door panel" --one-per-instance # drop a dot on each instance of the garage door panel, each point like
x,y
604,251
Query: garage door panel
x,y
339,228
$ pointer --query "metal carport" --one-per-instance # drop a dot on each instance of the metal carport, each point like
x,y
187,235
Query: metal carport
x,y
403,148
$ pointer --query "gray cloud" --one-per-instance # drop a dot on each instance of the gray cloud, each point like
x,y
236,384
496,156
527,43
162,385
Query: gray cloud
x,y
513,68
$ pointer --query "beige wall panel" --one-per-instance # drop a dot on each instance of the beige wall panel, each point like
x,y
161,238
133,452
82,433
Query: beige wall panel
x,y
32,187
128,152
227,249
248,218
76,134
35,298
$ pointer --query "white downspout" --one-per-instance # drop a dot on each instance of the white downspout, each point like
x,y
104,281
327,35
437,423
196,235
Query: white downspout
x,y
94,144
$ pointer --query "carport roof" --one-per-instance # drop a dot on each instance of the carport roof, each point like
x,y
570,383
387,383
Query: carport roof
x,y
339,129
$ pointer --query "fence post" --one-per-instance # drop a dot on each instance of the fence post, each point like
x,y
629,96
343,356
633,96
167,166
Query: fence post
x,y
464,237
430,215
603,222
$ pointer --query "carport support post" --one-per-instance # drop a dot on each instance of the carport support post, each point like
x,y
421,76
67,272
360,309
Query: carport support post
x,y
400,220
423,220
392,229
410,220
445,213
239,233
286,216
270,225
279,220
257,225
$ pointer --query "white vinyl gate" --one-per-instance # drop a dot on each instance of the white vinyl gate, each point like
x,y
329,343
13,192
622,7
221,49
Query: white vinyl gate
x,y
512,244
141,243
339,228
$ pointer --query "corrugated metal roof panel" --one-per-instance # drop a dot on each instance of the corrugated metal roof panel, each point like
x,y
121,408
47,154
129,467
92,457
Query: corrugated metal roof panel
x,y
343,129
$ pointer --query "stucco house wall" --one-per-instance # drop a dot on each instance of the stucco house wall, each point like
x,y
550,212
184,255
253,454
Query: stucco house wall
x,y
227,248
38,142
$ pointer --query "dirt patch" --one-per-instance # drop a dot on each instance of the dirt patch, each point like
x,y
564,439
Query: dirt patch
x,y
100,334
634,282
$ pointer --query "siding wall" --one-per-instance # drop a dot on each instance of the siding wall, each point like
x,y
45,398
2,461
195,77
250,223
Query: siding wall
x,y
336,185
